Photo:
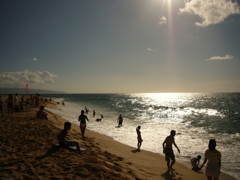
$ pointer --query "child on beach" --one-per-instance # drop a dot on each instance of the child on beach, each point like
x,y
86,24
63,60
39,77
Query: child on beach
x,y
195,163
62,138
139,137
168,151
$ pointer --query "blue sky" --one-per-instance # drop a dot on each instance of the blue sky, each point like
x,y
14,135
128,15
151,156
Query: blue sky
x,y
120,46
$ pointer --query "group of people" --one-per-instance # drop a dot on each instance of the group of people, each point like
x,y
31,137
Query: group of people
x,y
212,156
15,103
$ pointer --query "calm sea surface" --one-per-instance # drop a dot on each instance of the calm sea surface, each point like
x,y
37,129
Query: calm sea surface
x,y
197,117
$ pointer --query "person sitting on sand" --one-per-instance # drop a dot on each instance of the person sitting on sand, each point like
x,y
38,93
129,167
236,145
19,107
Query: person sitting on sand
x,y
41,114
168,151
213,159
139,138
62,138
195,163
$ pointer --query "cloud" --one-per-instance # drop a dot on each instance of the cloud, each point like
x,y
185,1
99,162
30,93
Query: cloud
x,y
150,50
211,11
19,79
35,59
220,58
163,20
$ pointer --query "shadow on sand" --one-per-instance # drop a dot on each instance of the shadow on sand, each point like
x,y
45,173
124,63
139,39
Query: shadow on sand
x,y
135,151
49,152
171,175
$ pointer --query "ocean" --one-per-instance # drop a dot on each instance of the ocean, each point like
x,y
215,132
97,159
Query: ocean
x,y
196,117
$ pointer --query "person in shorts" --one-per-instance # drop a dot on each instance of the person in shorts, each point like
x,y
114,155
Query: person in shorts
x,y
62,138
168,151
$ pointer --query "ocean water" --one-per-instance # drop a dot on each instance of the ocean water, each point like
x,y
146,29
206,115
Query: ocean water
x,y
196,117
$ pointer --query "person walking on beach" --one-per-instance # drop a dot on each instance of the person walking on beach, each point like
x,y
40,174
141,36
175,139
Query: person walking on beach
x,y
168,151
94,113
120,120
213,159
139,138
82,119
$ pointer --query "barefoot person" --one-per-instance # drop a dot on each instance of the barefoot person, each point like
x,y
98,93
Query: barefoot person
x,y
195,163
62,138
82,119
139,138
168,151
213,157
120,120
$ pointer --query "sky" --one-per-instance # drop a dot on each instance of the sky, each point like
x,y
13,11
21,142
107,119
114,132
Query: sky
x,y
120,46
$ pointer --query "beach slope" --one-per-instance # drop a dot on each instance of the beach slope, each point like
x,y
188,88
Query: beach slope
x,y
26,152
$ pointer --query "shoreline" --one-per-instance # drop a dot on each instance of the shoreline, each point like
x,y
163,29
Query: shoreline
x,y
26,153
107,143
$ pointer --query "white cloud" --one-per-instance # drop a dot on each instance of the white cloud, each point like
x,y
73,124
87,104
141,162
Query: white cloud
x,y
150,50
163,20
211,11
19,79
220,58
35,59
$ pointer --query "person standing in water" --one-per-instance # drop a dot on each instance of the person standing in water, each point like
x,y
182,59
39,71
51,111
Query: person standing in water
x,y
139,138
120,120
82,119
168,151
213,159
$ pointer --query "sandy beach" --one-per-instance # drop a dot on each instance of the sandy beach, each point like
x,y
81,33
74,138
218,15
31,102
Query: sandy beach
x,y
27,153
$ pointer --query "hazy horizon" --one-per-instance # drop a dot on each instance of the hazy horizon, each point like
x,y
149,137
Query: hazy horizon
x,y
120,46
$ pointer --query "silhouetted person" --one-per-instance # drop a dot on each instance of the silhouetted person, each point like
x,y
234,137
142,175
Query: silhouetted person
x,y
41,114
120,120
213,159
62,138
86,110
82,119
139,138
168,151
195,163
10,103
94,113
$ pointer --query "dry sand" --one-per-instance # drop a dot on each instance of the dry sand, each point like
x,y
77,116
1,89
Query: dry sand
x,y
26,153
